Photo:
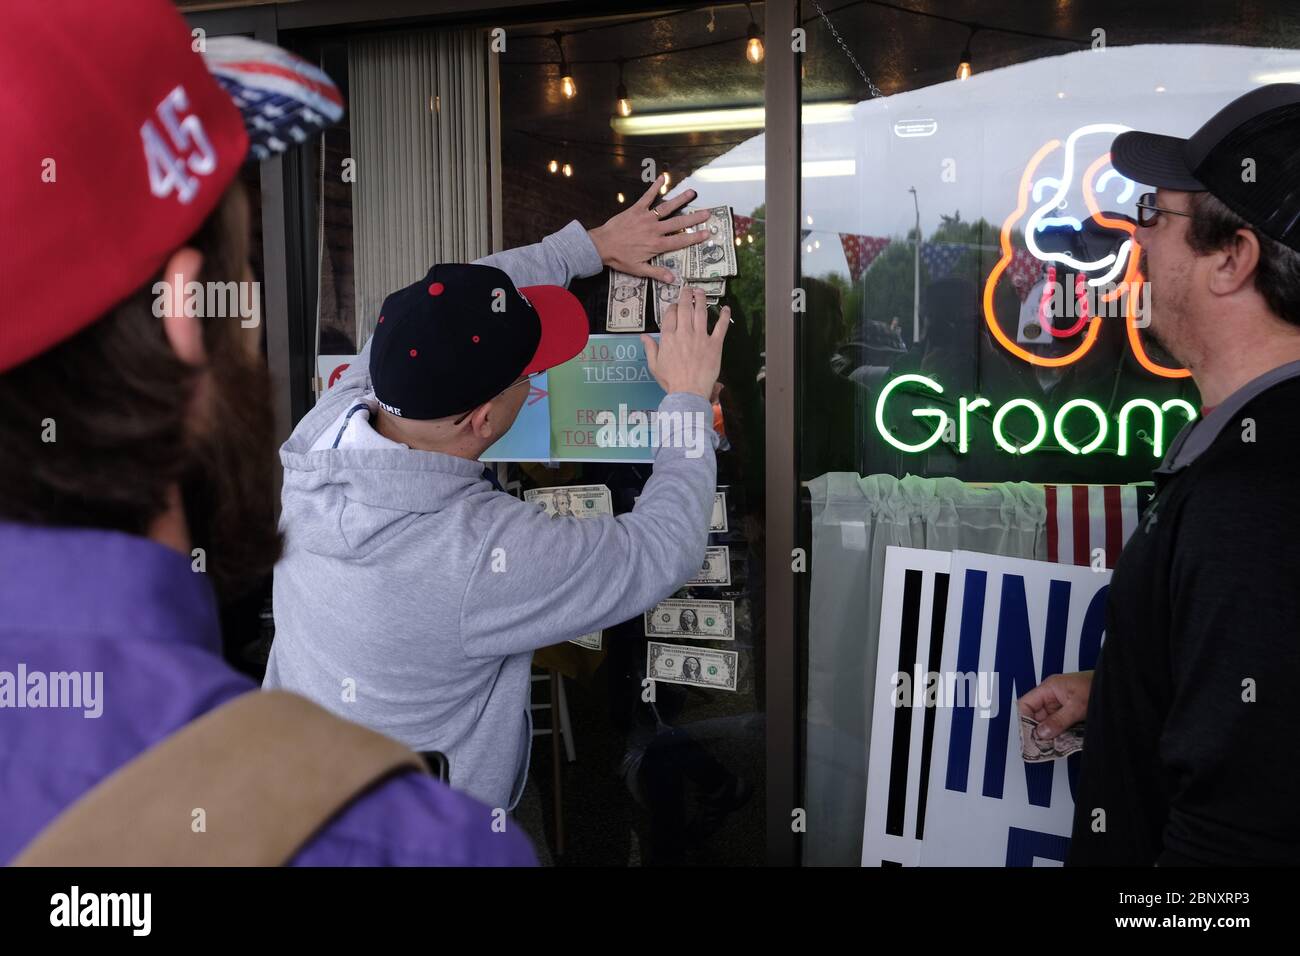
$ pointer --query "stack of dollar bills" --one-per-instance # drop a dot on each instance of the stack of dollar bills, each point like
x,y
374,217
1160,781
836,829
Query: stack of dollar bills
x,y
706,265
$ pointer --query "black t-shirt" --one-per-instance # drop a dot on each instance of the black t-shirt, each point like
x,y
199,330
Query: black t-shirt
x,y
1191,751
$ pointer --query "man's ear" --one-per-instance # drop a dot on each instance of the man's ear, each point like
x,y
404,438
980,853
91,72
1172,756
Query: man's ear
x,y
484,421
1236,263
184,332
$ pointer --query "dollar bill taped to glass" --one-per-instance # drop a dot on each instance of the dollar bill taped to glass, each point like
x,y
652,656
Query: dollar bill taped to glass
x,y
693,666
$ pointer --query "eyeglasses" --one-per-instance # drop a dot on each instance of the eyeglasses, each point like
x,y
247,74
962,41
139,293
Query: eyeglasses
x,y
1149,212
522,378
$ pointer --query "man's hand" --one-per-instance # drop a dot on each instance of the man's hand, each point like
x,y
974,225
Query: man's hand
x,y
687,357
627,241
1058,703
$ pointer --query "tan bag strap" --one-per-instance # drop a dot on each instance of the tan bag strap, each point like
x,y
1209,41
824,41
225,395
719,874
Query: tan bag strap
x,y
264,772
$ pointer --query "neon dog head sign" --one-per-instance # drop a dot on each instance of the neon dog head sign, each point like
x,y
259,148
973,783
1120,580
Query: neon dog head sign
x,y
1111,279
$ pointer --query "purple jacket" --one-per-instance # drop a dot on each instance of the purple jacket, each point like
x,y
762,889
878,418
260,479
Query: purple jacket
x,y
79,600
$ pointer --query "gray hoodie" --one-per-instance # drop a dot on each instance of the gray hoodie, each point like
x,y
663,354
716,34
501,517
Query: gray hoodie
x,y
412,593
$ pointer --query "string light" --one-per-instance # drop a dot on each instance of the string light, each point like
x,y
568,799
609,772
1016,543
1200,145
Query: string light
x,y
567,86
964,68
668,181
624,105
553,166
755,34
753,40
567,169
622,198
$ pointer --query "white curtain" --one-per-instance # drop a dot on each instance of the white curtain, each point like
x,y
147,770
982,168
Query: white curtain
x,y
419,109
854,520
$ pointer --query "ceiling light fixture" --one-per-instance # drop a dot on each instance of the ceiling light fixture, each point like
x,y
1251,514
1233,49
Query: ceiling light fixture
x,y
741,117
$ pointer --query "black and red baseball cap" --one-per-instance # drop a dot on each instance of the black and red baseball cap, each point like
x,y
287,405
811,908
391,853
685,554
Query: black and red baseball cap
x,y
1244,156
463,334
118,144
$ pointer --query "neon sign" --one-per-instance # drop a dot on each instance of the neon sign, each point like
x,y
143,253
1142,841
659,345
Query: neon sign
x,y
1049,193
1028,410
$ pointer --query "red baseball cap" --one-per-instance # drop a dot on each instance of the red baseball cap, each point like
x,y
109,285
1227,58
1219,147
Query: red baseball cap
x,y
118,144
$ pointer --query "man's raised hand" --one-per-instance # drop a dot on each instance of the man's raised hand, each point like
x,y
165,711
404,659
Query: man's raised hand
x,y
688,357
627,241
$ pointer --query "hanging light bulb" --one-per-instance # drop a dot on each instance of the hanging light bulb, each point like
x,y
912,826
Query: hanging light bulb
x,y
753,39
963,67
622,198
624,104
567,86
567,169
553,166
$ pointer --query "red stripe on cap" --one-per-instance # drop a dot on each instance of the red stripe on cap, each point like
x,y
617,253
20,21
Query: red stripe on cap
x,y
326,90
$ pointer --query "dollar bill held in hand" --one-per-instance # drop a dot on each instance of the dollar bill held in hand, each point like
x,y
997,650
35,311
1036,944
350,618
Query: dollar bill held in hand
x,y
715,257
625,310
592,641
1063,744
716,571
693,666
712,288
572,501
718,520
692,619
665,293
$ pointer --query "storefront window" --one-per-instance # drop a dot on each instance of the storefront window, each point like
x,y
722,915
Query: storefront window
x,y
975,319
678,778
662,771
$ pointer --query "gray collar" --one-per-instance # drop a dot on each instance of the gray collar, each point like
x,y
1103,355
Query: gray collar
x,y
1196,437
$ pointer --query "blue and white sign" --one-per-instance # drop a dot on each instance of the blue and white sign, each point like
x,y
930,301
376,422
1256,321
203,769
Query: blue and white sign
x,y
946,783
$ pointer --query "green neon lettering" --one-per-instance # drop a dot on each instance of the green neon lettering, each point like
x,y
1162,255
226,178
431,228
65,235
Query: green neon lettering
x,y
1158,429
965,406
1058,426
1006,410
1188,408
941,418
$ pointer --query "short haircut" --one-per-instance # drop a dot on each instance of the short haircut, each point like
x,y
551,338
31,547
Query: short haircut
x,y
1277,278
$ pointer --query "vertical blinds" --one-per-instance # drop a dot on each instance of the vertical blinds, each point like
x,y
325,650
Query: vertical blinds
x,y
420,141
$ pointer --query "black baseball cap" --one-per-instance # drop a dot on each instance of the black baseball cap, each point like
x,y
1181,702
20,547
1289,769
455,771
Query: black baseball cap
x,y
1263,126
463,334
